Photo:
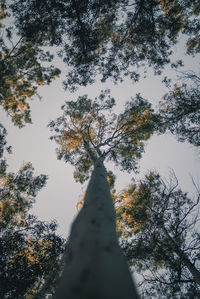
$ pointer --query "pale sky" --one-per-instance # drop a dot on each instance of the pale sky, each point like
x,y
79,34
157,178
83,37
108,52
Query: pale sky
x,y
59,198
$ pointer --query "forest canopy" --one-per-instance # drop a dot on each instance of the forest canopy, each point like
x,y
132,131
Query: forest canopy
x,y
92,42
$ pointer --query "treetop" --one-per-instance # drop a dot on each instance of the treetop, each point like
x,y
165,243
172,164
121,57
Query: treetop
x,y
88,130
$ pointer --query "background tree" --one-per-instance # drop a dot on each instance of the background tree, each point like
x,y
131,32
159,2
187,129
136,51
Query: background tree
x,y
180,110
158,224
29,249
109,38
22,70
87,133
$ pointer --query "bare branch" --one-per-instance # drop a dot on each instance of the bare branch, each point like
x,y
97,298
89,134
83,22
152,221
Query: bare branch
x,y
13,49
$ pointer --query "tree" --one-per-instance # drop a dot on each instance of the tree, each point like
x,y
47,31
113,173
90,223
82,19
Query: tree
x,y
22,71
109,38
158,224
180,110
88,133
29,248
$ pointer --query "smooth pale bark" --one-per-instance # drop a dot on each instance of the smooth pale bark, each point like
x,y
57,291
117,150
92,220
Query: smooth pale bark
x,y
94,265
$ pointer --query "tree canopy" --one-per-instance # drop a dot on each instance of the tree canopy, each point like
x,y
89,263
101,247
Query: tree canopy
x,y
158,224
22,68
180,109
29,249
89,129
109,38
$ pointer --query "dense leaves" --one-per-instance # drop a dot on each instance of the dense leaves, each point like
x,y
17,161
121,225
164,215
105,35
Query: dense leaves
x,y
161,223
22,70
89,129
30,253
109,38
29,249
78,26
180,110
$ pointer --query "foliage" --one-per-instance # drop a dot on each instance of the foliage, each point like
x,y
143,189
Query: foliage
x,y
180,110
3,12
30,254
80,27
22,71
158,224
109,38
89,129
29,248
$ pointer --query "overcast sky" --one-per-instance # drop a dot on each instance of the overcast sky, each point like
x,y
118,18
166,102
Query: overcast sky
x,y
59,198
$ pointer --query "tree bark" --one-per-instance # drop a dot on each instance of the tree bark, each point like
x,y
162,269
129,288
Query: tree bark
x,y
94,265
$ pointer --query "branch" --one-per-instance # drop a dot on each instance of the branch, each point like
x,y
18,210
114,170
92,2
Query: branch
x,y
90,139
156,277
190,209
9,55
89,151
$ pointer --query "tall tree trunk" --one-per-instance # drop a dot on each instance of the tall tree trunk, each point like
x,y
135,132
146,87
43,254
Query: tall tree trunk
x,y
191,267
94,265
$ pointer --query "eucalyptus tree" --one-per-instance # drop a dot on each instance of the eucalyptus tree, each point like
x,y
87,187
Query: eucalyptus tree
x,y
87,134
23,67
109,38
29,249
180,109
159,227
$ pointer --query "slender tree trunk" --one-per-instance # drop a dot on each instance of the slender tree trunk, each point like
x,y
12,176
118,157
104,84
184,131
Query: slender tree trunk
x,y
191,267
94,265
193,270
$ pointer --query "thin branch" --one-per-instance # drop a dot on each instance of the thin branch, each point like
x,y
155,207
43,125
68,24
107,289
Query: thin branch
x,y
189,210
9,55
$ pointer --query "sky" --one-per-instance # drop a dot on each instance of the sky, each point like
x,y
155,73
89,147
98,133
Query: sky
x,y
59,198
